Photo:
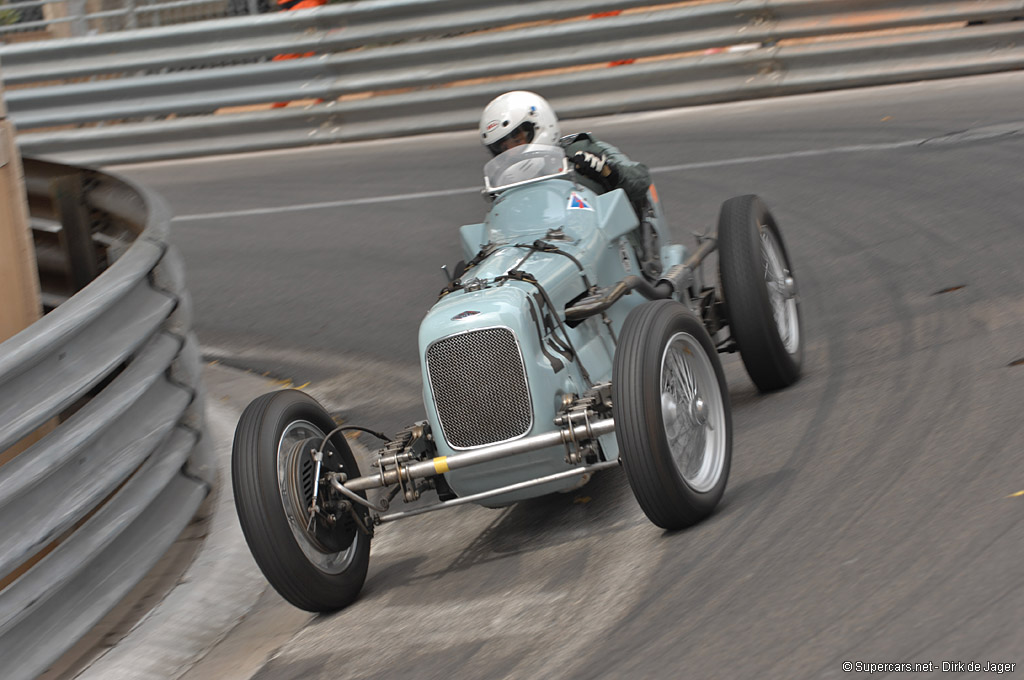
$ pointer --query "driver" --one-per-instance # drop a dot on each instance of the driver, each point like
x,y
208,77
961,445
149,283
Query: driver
x,y
521,117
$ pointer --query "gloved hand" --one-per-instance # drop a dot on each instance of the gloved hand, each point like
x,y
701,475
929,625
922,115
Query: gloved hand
x,y
596,167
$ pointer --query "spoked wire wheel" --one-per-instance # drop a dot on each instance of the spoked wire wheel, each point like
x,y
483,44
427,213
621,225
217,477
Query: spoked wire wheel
x,y
691,409
673,422
759,290
781,288
312,551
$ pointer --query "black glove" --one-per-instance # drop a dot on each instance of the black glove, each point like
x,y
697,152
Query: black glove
x,y
596,167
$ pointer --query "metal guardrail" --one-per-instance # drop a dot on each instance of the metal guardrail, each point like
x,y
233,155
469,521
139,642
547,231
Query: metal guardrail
x,y
368,24
43,19
102,496
391,67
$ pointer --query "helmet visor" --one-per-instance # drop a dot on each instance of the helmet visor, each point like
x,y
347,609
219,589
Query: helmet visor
x,y
522,134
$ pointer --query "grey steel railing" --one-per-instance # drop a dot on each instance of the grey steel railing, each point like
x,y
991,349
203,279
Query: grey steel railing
x,y
43,19
112,373
381,68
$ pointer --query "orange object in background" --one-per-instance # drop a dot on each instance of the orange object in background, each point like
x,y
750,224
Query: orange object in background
x,y
289,5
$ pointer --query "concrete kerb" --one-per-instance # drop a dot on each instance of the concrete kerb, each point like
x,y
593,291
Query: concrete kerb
x,y
221,586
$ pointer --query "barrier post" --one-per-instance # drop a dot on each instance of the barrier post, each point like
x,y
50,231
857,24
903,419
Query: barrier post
x,y
20,305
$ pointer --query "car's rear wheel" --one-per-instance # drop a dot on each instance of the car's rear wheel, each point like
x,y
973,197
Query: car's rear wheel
x,y
317,560
760,294
673,421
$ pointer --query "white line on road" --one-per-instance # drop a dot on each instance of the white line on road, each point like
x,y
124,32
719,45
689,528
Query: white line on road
x,y
325,204
367,200
857,148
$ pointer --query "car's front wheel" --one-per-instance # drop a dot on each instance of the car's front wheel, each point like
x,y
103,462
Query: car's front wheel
x,y
312,545
673,420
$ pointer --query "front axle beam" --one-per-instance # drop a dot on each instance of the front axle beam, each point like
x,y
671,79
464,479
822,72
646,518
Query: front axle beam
x,y
442,464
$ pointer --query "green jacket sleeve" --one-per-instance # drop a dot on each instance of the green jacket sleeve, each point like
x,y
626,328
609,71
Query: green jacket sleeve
x,y
633,177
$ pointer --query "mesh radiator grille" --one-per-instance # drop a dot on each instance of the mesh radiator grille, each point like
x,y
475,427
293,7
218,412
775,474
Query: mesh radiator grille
x,y
479,386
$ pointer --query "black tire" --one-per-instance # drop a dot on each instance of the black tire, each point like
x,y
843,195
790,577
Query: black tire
x,y
759,291
677,466
319,568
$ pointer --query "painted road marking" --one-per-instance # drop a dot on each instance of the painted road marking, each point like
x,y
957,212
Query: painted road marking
x,y
369,200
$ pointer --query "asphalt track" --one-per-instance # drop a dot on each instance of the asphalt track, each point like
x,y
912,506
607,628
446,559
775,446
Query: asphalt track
x,y
873,512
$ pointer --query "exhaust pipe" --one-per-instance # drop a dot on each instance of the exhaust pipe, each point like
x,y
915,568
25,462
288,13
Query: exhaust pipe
x,y
676,279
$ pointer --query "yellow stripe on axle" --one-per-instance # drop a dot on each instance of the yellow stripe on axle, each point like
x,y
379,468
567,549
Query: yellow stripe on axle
x,y
441,465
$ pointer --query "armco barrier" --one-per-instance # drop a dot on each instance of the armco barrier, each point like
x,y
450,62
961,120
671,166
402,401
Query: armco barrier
x,y
65,18
390,67
110,488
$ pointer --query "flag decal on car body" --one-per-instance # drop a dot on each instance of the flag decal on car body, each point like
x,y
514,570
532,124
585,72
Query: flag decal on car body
x,y
577,202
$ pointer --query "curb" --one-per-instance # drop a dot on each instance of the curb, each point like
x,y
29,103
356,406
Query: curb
x,y
221,585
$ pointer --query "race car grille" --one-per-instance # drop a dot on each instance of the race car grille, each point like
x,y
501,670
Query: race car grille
x,y
479,386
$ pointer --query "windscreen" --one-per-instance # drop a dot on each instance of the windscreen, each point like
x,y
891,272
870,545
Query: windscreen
x,y
523,164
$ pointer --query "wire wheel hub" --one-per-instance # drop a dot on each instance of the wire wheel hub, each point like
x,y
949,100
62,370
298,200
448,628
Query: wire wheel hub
x,y
781,291
694,426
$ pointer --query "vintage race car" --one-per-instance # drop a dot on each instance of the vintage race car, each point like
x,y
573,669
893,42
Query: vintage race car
x,y
574,338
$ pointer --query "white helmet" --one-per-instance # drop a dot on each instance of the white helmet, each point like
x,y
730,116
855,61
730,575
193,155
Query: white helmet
x,y
518,118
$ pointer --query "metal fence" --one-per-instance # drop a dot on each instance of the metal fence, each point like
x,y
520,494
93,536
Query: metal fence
x,y
27,20
90,507
381,68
